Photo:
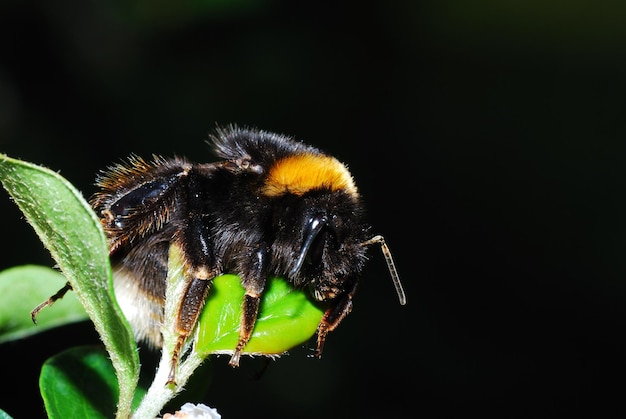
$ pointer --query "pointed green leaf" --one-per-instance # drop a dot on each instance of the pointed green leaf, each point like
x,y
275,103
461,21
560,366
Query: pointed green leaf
x,y
70,230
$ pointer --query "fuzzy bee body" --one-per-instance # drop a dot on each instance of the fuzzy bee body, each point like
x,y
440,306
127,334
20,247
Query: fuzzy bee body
x,y
271,206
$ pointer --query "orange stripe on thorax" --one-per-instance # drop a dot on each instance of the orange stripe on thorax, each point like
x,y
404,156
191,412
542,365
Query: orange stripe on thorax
x,y
301,173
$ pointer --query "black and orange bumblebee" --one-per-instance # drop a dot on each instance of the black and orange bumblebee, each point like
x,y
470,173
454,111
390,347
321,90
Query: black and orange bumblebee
x,y
271,206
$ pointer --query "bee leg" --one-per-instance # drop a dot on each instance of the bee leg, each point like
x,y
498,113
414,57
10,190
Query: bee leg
x,y
59,294
248,319
333,316
190,309
254,284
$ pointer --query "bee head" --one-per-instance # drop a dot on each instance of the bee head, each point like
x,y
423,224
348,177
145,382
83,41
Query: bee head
x,y
317,223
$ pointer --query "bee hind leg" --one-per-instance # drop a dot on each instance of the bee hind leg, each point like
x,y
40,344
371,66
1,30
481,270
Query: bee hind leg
x,y
188,314
59,294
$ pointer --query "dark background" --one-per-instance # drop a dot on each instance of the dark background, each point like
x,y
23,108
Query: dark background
x,y
487,138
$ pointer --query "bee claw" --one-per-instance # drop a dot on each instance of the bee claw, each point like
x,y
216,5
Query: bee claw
x,y
171,377
234,359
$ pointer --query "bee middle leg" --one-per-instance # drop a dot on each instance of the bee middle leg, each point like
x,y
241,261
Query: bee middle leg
x,y
253,282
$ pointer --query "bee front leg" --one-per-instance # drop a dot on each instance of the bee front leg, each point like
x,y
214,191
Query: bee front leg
x,y
254,283
333,316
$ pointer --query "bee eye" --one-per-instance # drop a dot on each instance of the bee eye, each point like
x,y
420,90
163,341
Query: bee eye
x,y
316,249
313,242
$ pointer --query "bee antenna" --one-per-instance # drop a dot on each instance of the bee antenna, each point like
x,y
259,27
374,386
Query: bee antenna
x,y
390,264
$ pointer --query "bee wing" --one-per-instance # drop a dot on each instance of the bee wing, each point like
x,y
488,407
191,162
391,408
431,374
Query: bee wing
x,y
135,198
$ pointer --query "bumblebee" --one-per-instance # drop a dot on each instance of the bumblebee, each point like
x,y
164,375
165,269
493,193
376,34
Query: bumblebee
x,y
270,206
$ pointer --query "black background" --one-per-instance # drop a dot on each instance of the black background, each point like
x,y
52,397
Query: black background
x,y
488,141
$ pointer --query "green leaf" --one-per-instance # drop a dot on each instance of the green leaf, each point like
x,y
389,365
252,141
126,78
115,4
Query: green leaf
x,y
70,230
22,288
5,415
287,318
81,383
